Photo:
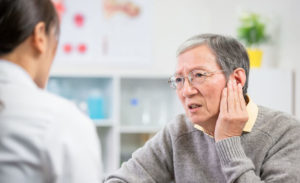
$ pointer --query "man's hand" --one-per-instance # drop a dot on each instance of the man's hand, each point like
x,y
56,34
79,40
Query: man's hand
x,y
233,114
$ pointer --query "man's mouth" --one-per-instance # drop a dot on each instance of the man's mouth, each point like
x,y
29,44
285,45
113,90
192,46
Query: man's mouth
x,y
194,106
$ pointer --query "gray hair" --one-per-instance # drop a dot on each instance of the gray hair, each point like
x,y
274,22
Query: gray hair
x,y
230,54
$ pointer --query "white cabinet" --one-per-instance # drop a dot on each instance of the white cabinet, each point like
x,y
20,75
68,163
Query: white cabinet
x,y
132,109
97,97
297,94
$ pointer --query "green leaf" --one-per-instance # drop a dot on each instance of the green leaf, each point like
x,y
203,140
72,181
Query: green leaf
x,y
252,29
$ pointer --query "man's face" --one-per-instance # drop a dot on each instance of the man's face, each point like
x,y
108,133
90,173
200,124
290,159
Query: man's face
x,y
201,102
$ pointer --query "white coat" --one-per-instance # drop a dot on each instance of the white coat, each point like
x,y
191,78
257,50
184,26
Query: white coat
x,y
43,138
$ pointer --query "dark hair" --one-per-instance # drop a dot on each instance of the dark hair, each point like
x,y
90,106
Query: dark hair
x,y
230,53
18,19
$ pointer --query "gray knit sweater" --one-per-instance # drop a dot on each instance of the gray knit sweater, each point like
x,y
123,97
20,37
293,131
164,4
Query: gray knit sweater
x,y
181,153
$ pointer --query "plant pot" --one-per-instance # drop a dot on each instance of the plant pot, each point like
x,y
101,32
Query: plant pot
x,y
255,57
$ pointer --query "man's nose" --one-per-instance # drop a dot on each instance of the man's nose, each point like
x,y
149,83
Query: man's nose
x,y
188,89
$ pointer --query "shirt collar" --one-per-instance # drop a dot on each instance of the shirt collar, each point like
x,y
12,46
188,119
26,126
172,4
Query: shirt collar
x,y
13,73
252,110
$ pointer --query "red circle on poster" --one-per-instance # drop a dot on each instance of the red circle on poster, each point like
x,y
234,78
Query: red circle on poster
x,y
67,48
79,20
82,48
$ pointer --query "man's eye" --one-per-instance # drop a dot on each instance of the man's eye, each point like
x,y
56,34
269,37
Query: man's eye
x,y
178,79
199,75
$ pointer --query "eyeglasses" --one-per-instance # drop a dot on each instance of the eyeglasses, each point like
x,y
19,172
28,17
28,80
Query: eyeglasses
x,y
195,77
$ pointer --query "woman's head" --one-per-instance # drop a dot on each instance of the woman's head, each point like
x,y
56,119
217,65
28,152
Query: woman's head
x,y
28,35
18,19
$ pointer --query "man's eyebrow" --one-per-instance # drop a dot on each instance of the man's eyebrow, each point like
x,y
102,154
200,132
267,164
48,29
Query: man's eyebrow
x,y
200,68
194,68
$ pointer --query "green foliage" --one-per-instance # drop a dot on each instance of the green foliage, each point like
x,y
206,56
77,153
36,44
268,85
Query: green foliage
x,y
252,30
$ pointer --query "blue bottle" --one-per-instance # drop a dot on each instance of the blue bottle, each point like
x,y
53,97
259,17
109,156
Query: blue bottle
x,y
95,104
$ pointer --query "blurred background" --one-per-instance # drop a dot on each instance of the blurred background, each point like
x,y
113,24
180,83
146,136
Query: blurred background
x,y
115,56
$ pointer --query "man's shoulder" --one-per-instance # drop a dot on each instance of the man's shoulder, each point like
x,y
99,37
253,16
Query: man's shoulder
x,y
274,122
277,117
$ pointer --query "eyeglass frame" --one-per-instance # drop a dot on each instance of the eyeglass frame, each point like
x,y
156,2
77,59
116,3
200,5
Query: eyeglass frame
x,y
171,79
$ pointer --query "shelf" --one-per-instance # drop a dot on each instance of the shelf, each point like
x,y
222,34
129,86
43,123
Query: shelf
x,y
103,123
91,94
139,129
128,118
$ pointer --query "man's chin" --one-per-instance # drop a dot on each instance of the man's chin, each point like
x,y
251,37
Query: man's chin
x,y
202,119
197,120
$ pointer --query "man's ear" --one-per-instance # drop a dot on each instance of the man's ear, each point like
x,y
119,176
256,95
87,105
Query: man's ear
x,y
239,75
39,37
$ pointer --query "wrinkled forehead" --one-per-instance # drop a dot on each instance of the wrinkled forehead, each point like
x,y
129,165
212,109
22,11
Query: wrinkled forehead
x,y
199,58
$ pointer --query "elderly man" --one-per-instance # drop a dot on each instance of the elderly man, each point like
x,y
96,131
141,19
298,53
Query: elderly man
x,y
223,135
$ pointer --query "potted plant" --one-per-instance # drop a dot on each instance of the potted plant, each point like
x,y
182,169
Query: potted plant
x,y
252,31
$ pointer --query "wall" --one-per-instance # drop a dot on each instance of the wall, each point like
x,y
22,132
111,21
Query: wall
x,y
186,18
175,21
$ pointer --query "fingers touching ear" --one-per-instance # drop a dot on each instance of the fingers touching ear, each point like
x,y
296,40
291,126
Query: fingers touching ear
x,y
239,75
39,37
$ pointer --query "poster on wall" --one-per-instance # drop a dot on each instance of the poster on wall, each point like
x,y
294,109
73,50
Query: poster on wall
x,y
104,31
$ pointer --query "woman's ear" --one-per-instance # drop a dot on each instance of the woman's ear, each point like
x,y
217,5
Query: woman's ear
x,y
239,75
39,37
